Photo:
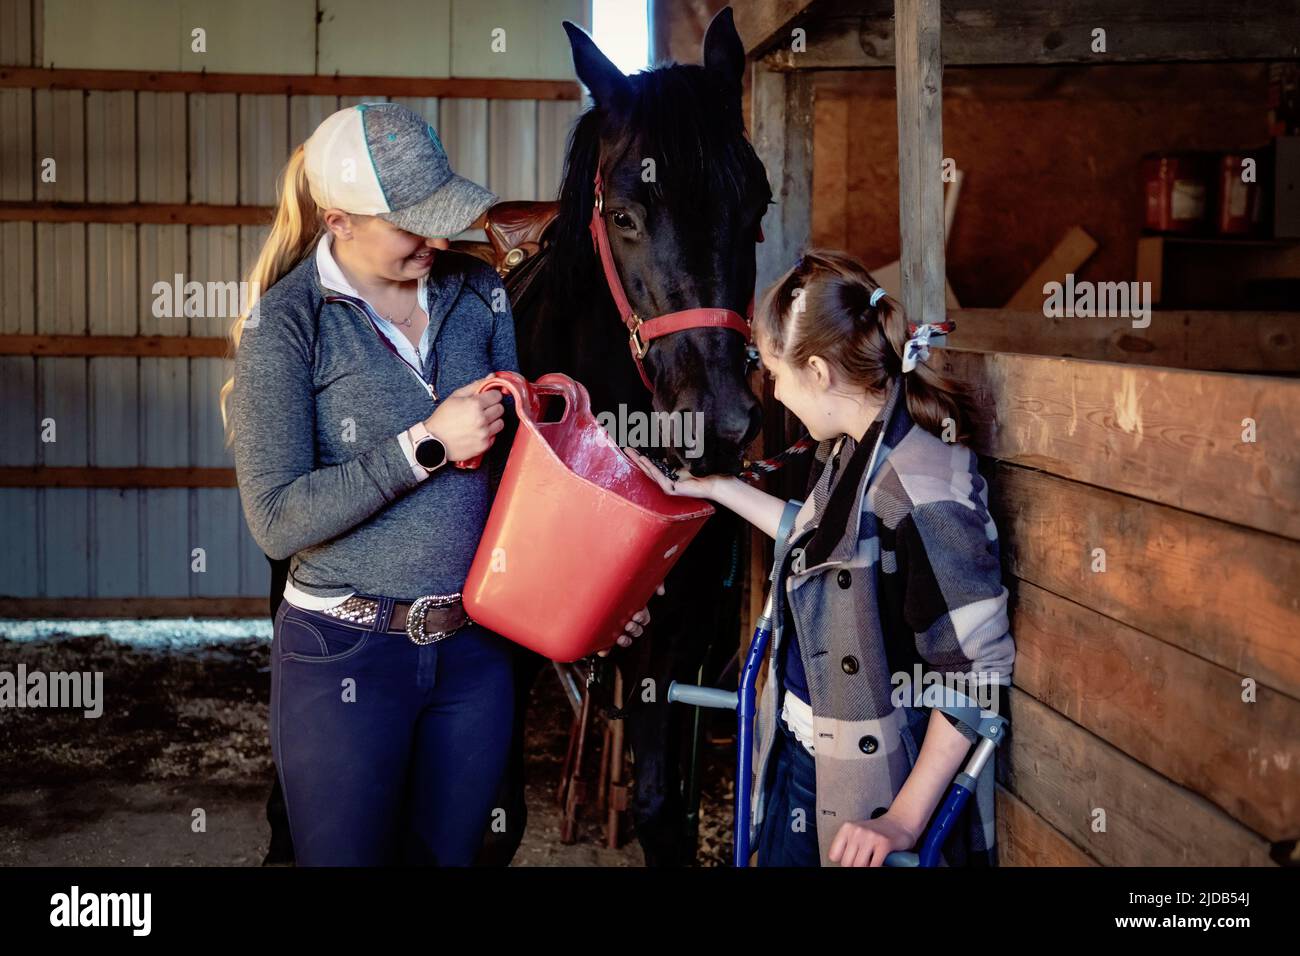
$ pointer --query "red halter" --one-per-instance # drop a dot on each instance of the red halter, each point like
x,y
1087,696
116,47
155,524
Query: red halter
x,y
643,331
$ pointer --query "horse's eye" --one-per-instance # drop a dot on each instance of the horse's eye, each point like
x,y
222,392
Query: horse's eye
x,y
623,220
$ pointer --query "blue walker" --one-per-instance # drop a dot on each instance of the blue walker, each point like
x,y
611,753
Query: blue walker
x,y
991,729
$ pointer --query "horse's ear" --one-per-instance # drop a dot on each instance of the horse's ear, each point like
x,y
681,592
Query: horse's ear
x,y
724,54
598,74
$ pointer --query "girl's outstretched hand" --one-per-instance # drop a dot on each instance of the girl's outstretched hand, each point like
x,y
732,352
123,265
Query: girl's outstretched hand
x,y
634,627
685,485
868,842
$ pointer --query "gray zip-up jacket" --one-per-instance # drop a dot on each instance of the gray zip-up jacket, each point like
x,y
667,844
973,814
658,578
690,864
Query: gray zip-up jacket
x,y
319,399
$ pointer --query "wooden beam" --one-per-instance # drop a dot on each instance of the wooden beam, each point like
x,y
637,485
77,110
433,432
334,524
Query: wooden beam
x,y
920,159
763,24
286,85
1208,341
151,346
138,213
1165,435
38,477
1082,664
1026,839
145,607
1216,590
783,138
1066,775
848,35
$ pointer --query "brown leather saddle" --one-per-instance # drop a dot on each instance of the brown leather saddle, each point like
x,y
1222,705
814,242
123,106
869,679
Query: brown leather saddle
x,y
514,233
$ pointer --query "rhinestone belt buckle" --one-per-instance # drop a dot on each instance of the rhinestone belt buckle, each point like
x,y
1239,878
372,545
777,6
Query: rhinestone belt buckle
x,y
415,618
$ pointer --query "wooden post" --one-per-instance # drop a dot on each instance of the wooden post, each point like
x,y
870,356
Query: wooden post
x,y
919,72
782,133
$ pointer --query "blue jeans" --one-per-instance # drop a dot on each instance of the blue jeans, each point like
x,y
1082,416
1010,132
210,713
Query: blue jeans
x,y
786,836
388,751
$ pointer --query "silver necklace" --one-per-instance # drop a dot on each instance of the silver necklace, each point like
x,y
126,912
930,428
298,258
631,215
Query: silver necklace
x,y
406,323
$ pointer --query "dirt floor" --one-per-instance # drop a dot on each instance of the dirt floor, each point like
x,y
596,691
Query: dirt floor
x,y
123,789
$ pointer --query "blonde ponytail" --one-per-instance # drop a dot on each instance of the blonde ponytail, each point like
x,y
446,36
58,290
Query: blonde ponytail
x,y
294,233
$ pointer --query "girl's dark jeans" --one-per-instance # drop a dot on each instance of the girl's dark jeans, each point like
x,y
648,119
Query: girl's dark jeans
x,y
388,752
788,834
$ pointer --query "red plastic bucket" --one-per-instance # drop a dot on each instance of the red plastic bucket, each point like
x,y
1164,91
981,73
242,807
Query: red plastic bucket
x,y
578,537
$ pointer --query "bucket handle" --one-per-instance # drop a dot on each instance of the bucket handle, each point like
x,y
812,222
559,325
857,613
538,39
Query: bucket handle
x,y
528,402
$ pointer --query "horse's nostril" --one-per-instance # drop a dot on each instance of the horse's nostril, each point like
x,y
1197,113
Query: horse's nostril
x,y
755,425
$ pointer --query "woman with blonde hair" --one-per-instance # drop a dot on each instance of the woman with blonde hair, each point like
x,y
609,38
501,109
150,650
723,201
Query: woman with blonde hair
x,y
354,389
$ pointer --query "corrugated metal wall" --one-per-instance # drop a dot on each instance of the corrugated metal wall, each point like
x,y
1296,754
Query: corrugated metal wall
x,y
91,278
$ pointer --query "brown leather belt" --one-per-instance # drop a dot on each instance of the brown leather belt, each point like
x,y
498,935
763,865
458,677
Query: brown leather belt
x,y
425,620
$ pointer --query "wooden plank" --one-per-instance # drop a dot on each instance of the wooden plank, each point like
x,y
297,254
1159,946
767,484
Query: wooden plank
x,y
60,137
19,425
20,557
1166,435
214,258
16,32
17,161
555,121
165,518
214,149
18,277
764,24
61,278
139,607
464,134
82,477
351,39
115,543
512,149
1075,248
1066,775
263,147
1222,592
1202,340
215,518
161,125
1160,704
853,35
782,135
164,254
64,551
1026,839
112,272
919,78
496,88
110,146
61,398
197,214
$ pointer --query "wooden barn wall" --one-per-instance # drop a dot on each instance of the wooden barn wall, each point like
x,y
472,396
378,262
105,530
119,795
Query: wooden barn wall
x,y
1041,149
97,279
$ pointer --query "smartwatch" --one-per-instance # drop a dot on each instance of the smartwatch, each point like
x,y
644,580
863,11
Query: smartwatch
x,y
430,452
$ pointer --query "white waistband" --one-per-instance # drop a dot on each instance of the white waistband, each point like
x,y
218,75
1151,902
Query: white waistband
x,y
798,716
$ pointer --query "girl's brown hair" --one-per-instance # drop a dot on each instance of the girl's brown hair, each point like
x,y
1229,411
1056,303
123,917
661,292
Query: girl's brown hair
x,y
822,306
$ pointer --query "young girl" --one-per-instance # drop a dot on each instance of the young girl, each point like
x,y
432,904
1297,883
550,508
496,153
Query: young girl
x,y
354,391
889,568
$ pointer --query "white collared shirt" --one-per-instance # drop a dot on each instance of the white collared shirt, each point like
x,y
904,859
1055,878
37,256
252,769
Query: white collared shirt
x,y
331,277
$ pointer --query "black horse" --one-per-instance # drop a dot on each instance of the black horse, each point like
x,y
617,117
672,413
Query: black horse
x,y
684,196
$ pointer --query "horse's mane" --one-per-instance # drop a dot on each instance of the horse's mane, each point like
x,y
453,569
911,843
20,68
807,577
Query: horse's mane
x,y
681,117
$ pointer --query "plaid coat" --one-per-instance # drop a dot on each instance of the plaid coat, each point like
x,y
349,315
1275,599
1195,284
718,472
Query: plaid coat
x,y
905,577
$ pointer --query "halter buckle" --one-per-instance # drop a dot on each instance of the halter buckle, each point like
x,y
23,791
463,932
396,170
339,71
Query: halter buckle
x,y
634,336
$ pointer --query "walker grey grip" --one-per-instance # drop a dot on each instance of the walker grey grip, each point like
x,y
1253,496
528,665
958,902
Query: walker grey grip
x,y
701,696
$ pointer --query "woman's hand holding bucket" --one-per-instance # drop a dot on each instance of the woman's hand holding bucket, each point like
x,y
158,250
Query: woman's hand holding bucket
x,y
467,420
634,627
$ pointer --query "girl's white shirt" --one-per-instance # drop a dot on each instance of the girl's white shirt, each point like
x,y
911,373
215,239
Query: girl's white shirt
x,y
331,277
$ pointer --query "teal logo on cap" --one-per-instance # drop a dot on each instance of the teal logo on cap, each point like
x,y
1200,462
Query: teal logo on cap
x,y
433,135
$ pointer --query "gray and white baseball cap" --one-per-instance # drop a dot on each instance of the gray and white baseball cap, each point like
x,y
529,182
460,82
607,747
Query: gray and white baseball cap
x,y
382,159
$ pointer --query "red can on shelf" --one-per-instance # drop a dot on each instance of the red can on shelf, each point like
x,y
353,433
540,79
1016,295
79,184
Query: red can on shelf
x,y
1238,201
1176,187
